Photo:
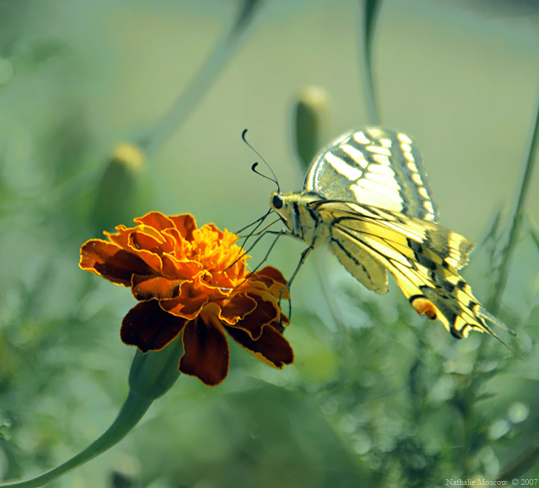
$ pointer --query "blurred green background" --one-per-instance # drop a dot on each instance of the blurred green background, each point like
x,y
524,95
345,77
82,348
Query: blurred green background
x,y
377,396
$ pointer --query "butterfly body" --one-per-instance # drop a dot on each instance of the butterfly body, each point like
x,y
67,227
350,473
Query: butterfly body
x,y
365,196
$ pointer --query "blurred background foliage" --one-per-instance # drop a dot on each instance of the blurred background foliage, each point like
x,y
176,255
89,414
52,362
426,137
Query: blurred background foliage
x,y
377,396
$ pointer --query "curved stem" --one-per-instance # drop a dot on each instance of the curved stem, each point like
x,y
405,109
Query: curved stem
x,y
152,139
132,411
368,16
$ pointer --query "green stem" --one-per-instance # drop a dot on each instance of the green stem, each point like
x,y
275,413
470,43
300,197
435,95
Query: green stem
x,y
156,136
368,16
518,215
132,411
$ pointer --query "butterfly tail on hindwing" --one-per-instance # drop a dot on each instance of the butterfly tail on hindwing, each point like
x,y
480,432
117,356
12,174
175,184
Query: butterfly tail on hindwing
x,y
423,257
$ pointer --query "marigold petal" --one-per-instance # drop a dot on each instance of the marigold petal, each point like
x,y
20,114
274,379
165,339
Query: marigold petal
x,y
272,279
150,258
186,224
236,309
271,348
120,238
188,304
174,268
208,233
264,313
111,262
149,328
149,239
151,286
155,219
273,274
206,350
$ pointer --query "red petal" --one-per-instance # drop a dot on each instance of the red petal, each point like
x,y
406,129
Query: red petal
x,y
149,328
111,262
206,351
270,279
273,274
264,313
272,348
237,308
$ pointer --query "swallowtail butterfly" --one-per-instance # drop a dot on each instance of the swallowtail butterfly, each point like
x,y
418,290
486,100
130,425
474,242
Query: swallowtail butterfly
x,y
365,196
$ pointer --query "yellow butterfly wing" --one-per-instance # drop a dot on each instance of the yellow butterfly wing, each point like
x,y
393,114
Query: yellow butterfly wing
x,y
366,196
423,257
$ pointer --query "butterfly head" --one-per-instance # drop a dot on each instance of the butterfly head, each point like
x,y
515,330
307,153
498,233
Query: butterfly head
x,y
284,208
296,211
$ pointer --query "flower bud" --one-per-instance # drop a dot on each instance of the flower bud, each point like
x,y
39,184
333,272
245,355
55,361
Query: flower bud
x,y
309,121
115,198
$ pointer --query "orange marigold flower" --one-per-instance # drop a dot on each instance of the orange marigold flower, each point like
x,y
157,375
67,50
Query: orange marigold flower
x,y
190,281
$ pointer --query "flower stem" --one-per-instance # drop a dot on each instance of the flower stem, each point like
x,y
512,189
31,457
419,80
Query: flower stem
x,y
153,139
369,11
132,411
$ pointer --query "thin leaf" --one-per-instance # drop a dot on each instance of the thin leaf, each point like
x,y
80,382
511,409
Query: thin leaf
x,y
518,215
535,236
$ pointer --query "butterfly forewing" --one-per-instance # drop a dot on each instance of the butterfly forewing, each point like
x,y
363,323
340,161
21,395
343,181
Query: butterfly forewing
x,y
376,166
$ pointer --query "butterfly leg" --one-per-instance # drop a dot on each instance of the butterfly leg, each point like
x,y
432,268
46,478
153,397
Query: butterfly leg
x,y
257,240
302,259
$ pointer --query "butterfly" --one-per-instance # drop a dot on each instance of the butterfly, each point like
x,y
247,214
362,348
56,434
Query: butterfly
x,y
365,196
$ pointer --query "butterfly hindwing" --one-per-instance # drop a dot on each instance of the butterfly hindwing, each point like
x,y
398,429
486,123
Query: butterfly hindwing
x,y
359,262
425,270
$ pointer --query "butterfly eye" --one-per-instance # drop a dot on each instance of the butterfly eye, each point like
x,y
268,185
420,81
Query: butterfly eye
x,y
277,202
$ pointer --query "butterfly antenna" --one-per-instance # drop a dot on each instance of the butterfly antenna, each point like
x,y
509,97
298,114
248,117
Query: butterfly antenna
x,y
253,167
259,235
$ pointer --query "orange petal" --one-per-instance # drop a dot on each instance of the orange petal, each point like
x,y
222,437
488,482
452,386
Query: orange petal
x,y
156,220
271,348
121,238
206,350
148,238
151,286
111,262
149,328
186,224
180,269
150,258
188,304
